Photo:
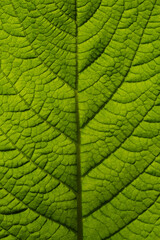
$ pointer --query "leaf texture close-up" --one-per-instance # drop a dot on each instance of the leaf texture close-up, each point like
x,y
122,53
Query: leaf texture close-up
x,y
80,119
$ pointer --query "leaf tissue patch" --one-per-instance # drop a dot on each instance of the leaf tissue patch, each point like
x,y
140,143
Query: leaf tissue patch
x,y
80,119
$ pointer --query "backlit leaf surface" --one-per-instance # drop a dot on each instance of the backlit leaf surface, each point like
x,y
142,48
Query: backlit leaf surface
x,y
79,119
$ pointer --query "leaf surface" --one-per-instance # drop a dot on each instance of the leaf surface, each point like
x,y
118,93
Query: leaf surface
x,y
79,120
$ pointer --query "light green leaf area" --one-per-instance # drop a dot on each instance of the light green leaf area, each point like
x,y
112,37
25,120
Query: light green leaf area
x,y
79,119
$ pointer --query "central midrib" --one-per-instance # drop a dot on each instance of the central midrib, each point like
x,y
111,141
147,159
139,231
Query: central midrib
x,y
78,143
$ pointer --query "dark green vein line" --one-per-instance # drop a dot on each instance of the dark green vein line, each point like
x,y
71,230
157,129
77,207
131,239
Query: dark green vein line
x,y
31,161
78,143
123,141
96,9
33,110
134,219
14,212
52,23
121,190
38,213
104,48
11,234
35,51
124,77
60,9
85,124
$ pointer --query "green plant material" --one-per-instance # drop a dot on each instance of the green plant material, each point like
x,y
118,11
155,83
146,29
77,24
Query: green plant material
x,y
80,120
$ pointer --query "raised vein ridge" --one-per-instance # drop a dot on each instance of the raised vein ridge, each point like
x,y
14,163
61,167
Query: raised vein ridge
x,y
78,143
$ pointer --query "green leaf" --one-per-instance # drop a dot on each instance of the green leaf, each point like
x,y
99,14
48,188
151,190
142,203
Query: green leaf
x,y
80,119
